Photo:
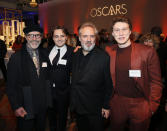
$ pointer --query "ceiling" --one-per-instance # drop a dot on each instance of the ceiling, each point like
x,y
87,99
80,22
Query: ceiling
x,y
22,1
20,4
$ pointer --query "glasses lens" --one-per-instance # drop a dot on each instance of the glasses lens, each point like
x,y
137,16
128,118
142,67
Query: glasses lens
x,y
34,35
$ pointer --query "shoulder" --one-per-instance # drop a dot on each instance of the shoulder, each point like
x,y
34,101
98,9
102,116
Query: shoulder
x,y
49,48
100,54
43,53
15,55
70,48
15,58
110,48
143,48
43,50
140,46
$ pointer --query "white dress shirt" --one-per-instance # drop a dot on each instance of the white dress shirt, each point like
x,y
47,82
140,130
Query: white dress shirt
x,y
54,52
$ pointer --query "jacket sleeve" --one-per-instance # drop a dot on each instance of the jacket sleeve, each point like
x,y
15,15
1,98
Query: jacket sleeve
x,y
155,80
107,84
13,88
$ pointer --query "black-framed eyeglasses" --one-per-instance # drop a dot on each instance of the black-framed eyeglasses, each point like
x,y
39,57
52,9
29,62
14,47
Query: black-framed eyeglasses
x,y
31,36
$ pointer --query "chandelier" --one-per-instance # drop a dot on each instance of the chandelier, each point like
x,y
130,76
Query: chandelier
x,y
33,3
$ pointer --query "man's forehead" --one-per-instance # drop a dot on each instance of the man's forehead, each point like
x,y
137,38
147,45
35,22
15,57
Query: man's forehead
x,y
121,24
58,31
88,30
34,32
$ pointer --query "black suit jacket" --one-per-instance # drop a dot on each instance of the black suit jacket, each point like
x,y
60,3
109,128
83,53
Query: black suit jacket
x,y
60,75
91,87
21,73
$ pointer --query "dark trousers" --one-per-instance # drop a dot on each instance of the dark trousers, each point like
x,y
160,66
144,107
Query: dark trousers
x,y
3,68
58,115
36,124
89,122
133,113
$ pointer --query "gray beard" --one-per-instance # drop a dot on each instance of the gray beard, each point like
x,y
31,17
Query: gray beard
x,y
88,49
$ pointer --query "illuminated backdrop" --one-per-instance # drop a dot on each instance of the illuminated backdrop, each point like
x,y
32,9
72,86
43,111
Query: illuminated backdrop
x,y
71,13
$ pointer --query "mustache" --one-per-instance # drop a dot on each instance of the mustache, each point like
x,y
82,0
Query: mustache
x,y
88,42
34,41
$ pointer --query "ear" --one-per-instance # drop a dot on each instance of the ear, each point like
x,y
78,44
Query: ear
x,y
112,34
79,38
26,37
66,38
130,32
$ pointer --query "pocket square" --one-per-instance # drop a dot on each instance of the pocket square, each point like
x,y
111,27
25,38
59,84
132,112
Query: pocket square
x,y
44,64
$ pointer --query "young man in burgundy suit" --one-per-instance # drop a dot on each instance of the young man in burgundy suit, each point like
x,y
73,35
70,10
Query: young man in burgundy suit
x,y
136,78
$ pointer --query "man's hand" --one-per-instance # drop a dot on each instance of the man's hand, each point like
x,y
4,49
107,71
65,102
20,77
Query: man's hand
x,y
105,113
20,112
77,48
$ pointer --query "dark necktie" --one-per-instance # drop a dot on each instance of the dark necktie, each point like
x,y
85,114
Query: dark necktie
x,y
55,60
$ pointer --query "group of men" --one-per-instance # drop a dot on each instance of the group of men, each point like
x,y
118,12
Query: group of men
x,y
124,82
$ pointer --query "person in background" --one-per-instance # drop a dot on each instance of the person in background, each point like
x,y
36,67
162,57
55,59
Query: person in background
x,y
104,39
91,82
27,82
60,57
3,51
18,43
135,70
150,40
135,37
72,40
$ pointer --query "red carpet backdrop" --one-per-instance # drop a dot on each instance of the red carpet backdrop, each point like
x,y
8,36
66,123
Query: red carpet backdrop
x,y
71,13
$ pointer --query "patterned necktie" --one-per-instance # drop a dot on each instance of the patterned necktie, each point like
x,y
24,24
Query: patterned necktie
x,y
55,60
36,62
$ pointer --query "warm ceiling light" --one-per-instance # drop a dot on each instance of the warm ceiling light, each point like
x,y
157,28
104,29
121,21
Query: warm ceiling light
x,y
33,3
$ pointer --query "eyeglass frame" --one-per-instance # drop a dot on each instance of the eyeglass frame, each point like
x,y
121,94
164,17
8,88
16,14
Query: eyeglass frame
x,y
31,36
124,30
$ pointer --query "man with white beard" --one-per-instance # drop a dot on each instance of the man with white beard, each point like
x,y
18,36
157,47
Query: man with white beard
x,y
28,84
91,82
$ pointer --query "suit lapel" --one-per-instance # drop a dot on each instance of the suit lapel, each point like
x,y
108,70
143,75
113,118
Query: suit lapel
x,y
135,58
112,63
40,61
48,51
135,61
75,67
66,54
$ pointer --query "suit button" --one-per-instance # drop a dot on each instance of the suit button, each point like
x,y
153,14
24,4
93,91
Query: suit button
x,y
54,85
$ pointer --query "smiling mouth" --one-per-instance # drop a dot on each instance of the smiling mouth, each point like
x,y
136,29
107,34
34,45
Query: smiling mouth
x,y
121,38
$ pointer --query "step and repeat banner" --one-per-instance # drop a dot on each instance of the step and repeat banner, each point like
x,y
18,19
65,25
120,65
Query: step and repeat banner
x,y
144,14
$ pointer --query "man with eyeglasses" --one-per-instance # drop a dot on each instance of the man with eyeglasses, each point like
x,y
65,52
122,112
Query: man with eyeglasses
x,y
27,84
136,76
91,82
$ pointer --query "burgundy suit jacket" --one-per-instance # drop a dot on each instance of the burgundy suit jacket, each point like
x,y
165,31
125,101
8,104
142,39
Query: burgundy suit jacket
x,y
145,59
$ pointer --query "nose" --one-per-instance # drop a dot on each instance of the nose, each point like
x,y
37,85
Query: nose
x,y
88,38
59,38
34,38
121,32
